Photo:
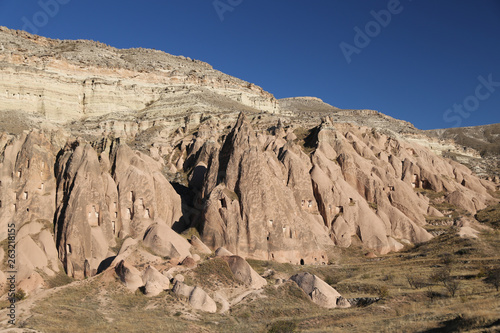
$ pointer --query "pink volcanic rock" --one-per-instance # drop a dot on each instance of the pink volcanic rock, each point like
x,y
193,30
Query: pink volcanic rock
x,y
27,200
251,211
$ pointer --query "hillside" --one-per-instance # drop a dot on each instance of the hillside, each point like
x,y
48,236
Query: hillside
x,y
484,139
134,181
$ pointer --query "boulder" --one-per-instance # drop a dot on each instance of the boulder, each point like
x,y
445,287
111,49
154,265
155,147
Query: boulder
x,y
129,275
178,278
319,291
197,297
189,262
243,272
222,252
154,282
162,240
199,246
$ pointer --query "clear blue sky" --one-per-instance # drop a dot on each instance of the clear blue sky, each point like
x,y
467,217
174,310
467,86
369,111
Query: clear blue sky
x,y
415,67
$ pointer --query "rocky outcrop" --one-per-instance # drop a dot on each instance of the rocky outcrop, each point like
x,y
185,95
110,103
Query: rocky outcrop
x,y
199,246
129,275
251,211
356,183
116,193
243,272
319,291
163,241
27,203
154,282
196,296
68,80
86,222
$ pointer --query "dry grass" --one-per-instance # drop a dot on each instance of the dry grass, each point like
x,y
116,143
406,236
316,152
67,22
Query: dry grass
x,y
428,307
490,216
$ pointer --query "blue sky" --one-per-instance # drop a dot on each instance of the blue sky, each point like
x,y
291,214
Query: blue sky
x,y
433,63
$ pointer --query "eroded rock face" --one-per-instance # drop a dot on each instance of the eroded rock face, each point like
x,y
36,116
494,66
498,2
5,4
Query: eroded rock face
x,y
365,185
262,190
27,203
251,211
85,227
67,80
144,195
118,193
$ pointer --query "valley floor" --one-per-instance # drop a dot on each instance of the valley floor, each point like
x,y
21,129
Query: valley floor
x,y
103,304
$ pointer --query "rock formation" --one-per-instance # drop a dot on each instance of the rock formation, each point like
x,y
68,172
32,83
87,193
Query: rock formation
x,y
154,282
319,291
251,211
244,272
129,275
101,147
196,296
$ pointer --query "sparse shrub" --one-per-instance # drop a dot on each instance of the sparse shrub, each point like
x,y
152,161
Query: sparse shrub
x,y
282,326
440,275
383,292
447,260
432,294
443,276
452,285
483,272
416,282
19,295
388,278
493,278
